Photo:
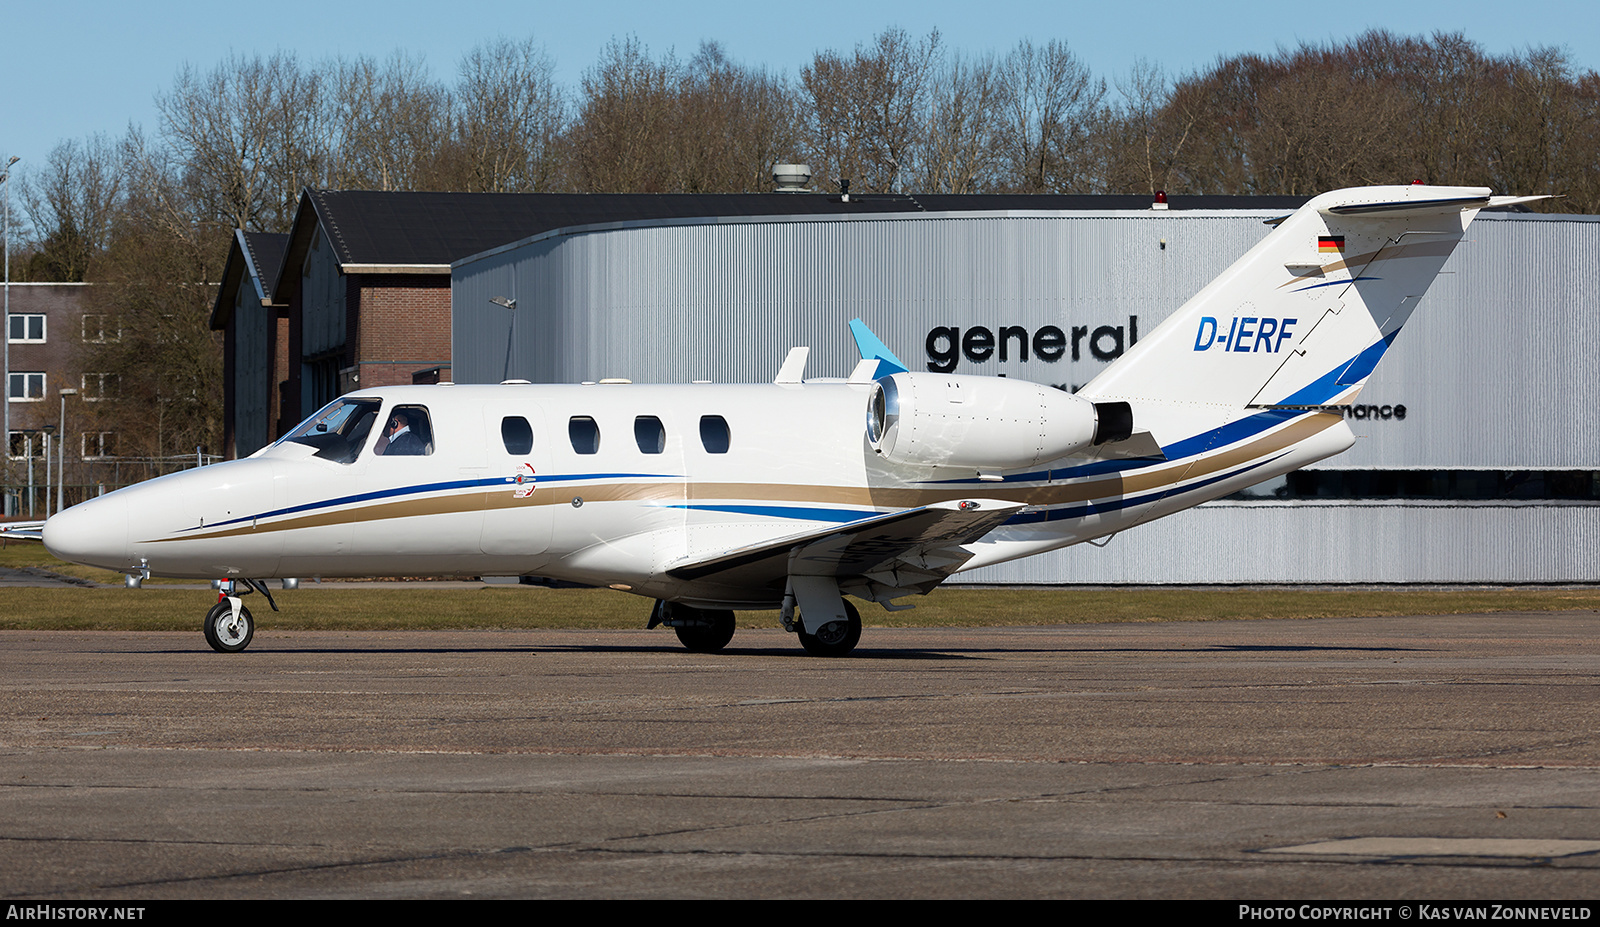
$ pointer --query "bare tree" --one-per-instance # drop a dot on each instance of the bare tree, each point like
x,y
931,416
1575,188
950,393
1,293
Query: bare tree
x,y
72,204
153,285
392,122
1145,134
509,116
867,111
964,144
620,140
1532,123
1053,113
729,125
1578,170
1317,129
251,133
709,125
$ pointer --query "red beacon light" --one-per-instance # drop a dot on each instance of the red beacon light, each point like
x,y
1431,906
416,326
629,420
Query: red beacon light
x,y
1161,200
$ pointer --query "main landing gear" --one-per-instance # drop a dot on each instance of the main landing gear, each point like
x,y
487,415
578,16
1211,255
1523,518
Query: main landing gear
x,y
228,626
836,638
813,608
702,630
708,630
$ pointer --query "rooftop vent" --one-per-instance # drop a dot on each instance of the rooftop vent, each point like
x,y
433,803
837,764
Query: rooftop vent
x,y
791,178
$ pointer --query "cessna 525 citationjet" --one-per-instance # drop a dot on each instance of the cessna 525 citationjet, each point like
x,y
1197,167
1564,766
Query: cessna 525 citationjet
x,y
795,494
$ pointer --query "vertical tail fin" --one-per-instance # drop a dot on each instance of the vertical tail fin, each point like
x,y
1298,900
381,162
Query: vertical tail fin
x,y
1305,315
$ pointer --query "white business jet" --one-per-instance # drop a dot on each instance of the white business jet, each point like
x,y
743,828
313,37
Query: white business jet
x,y
795,494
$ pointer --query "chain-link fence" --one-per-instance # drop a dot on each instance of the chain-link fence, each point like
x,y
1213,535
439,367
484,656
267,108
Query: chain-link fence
x,y
32,489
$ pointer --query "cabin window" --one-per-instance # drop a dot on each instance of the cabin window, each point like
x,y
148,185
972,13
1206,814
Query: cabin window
x,y
714,434
339,430
517,434
650,433
585,434
407,432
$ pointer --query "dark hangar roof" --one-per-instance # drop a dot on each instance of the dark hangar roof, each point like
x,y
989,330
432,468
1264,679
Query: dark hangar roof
x,y
439,228
254,260
266,254
374,230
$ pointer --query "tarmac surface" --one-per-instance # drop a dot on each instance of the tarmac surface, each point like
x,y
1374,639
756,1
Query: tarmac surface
x,y
1408,759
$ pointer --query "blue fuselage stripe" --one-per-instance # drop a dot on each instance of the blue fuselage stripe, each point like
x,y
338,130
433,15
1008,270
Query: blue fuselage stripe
x,y
784,511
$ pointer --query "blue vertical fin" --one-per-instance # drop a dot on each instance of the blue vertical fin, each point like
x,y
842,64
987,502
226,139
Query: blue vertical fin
x,y
873,348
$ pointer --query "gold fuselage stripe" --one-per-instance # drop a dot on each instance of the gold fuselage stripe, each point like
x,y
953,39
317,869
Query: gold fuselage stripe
x,y
1039,494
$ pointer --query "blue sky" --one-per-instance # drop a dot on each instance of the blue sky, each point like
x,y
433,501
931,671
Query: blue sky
x,y
73,69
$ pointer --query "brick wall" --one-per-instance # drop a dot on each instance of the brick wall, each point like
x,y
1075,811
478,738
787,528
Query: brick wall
x,y
404,326
56,357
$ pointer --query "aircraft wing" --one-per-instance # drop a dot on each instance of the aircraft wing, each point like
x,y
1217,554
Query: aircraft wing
x,y
23,530
914,548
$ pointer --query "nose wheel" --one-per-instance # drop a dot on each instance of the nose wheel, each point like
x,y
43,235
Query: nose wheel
x,y
227,632
228,626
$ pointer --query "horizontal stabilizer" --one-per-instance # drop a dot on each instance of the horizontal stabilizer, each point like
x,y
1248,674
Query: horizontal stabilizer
x,y
23,530
1454,204
1495,201
927,538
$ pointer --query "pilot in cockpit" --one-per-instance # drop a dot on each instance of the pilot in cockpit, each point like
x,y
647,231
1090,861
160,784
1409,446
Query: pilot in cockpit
x,y
399,439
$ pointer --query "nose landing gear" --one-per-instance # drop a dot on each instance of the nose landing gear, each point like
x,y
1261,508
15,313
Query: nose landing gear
x,y
228,626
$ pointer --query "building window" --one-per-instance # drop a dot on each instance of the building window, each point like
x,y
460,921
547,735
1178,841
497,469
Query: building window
x,y
98,444
26,328
26,444
650,434
25,387
98,386
99,329
714,434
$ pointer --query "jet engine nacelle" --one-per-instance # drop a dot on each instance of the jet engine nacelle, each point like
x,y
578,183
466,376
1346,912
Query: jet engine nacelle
x,y
987,423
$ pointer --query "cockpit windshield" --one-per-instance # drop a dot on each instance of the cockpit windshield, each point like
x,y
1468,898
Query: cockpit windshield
x,y
339,430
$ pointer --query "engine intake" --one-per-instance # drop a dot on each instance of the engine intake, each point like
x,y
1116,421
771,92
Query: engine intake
x,y
986,423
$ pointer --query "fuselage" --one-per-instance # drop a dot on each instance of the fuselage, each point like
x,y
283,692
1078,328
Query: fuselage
x,y
613,484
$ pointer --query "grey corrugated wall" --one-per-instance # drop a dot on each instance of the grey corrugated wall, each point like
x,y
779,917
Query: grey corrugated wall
x,y
1495,369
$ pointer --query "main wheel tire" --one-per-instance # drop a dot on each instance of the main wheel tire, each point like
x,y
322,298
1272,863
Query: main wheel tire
x,y
836,638
705,638
223,633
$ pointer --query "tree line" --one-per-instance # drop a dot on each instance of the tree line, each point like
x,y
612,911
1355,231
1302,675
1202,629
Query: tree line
x,y
151,214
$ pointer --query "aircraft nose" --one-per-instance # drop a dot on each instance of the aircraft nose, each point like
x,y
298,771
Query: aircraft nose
x,y
93,533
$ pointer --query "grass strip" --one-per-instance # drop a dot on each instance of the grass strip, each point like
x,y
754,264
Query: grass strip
x,y
355,607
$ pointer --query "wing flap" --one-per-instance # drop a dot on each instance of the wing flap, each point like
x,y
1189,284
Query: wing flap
x,y
925,540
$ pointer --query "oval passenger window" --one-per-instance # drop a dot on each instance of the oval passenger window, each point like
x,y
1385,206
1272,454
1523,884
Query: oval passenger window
x,y
650,434
517,434
714,434
585,434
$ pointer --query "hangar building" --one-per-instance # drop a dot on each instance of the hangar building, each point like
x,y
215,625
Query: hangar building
x,y
1477,459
